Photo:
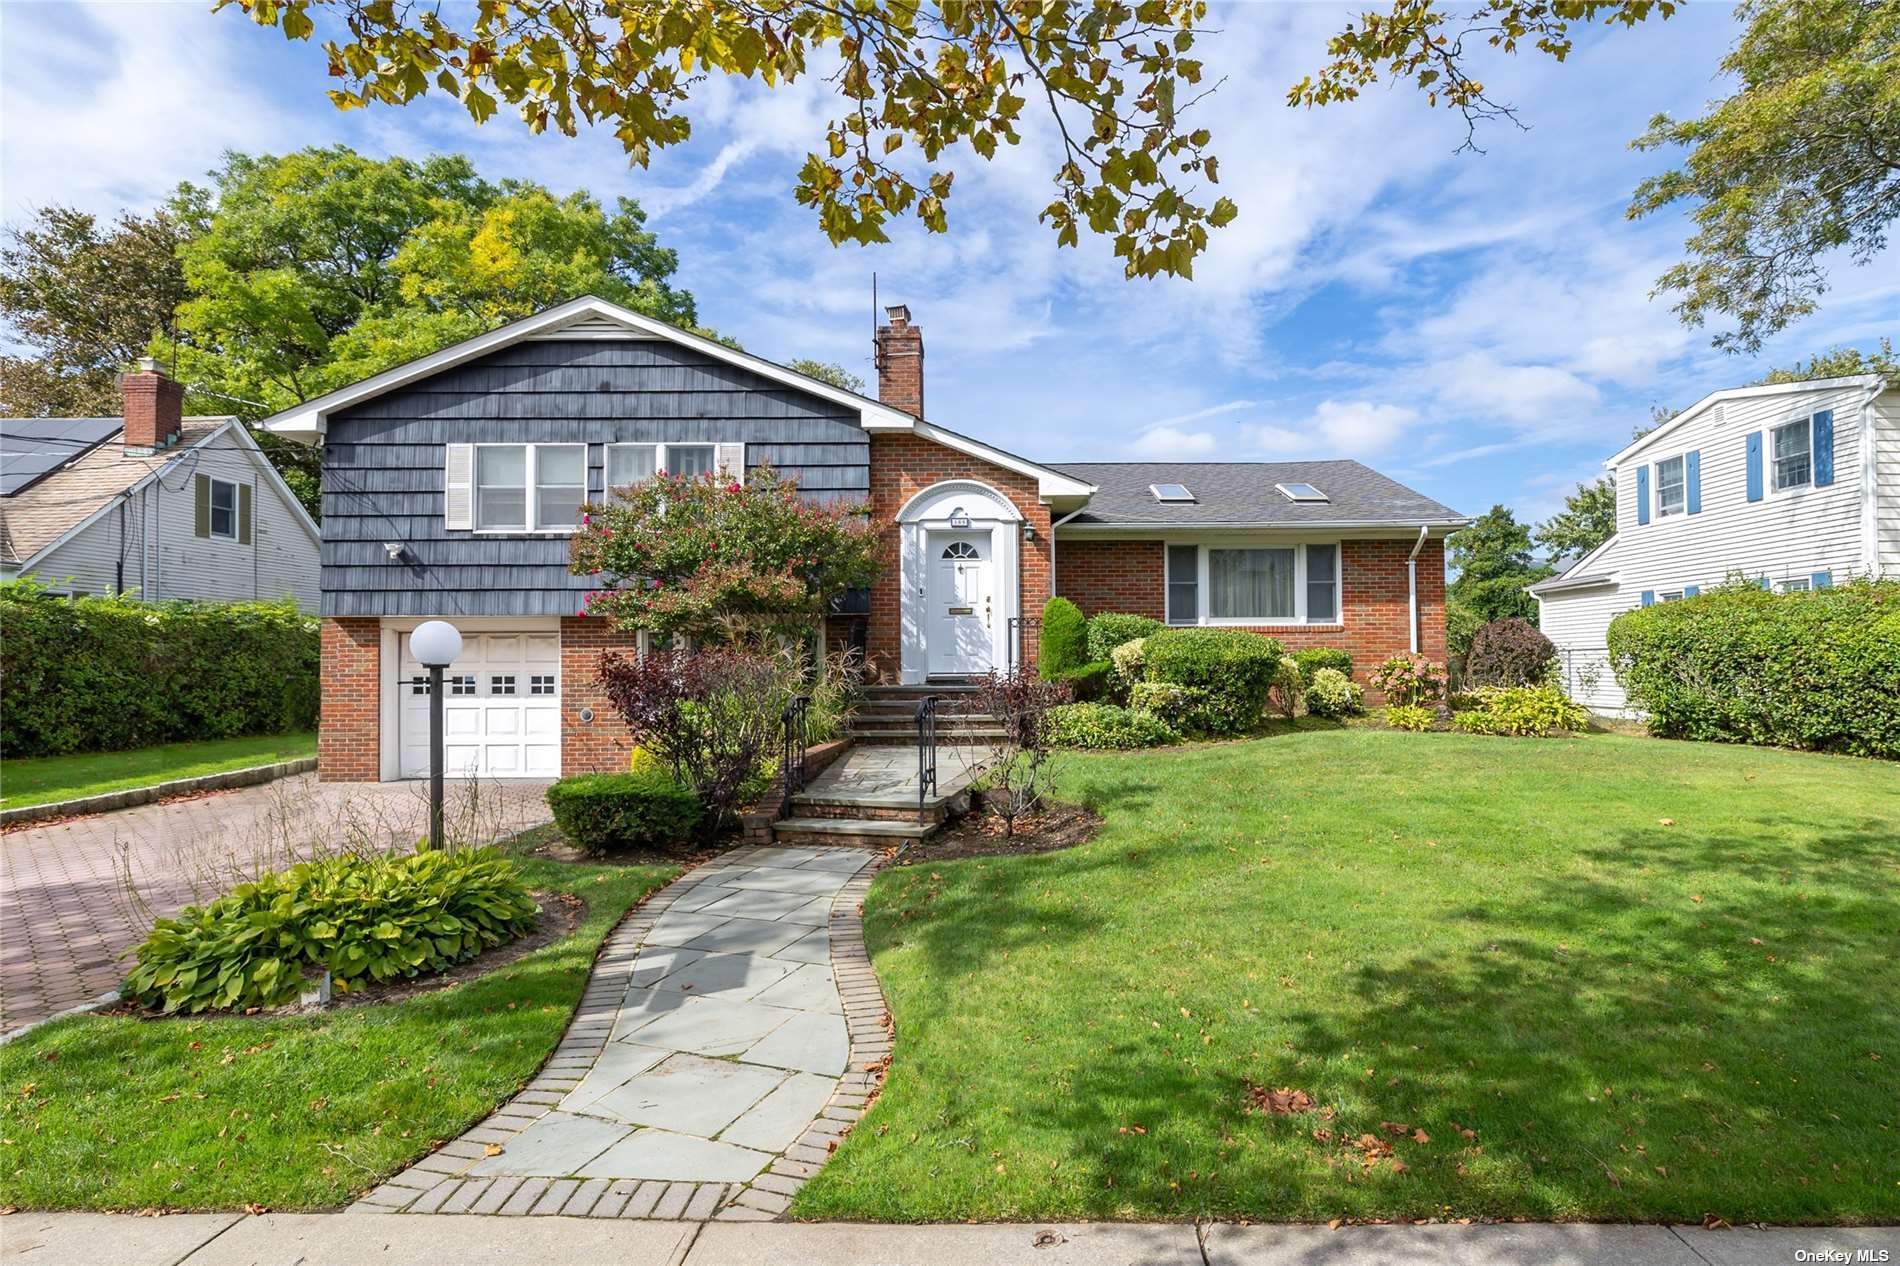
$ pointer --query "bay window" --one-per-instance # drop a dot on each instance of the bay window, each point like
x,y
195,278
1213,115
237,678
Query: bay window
x,y
1253,584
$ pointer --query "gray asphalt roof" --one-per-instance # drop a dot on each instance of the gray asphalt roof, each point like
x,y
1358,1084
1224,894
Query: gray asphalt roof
x,y
1243,493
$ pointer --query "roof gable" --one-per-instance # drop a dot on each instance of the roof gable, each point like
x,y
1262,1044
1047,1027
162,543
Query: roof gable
x,y
1872,381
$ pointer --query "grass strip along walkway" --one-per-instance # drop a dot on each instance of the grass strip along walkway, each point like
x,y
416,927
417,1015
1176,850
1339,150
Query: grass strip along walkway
x,y
45,779
1359,974
300,1112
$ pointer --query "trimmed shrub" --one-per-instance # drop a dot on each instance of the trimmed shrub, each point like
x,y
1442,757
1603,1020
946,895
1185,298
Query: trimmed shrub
x,y
1065,641
1235,668
1509,652
1333,694
1289,687
1314,658
1130,661
375,918
1410,716
1819,670
1089,681
1103,725
1166,700
1409,681
103,674
1520,711
1112,629
601,813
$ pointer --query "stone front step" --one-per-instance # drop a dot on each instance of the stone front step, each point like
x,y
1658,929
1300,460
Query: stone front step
x,y
850,832
880,808
964,736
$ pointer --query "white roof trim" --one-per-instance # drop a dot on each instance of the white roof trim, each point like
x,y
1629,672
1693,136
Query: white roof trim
x,y
307,421
1738,393
1049,483
1267,525
1577,570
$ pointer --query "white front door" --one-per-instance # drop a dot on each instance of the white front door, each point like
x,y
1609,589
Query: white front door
x,y
501,708
960,603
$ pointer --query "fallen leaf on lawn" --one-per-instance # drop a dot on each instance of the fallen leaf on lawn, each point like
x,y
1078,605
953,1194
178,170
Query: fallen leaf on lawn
x,y
256,1209
1665,821
1697,898
1712,1223
1334,1224
1663,1170
1047,1239
1419,1136
1281,1103
1399,1166
1397,1129
492,1149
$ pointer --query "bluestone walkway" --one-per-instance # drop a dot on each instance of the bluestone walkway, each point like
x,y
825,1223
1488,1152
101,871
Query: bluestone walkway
x,y
731,1032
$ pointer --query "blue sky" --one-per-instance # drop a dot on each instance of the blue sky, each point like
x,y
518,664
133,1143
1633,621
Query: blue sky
x,y
1478,326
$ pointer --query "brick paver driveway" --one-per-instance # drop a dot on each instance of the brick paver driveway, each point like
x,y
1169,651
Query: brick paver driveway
x,y
74,894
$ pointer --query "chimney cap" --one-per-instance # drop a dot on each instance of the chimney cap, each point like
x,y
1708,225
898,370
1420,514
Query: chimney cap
x,y
899,314
148,365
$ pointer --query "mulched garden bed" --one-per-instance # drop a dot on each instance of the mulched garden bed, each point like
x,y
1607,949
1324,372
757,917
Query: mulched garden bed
x,y
980,834
561,913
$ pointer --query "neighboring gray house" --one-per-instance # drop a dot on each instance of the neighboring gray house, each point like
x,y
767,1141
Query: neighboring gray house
x,y
1794,486
152,504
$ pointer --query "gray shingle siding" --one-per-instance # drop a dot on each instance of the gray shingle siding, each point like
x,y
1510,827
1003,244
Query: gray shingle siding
x,y
383,464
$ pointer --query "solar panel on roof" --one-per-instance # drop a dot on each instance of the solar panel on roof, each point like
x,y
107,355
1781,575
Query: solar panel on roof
x,y
1301,492
1171,492
33,448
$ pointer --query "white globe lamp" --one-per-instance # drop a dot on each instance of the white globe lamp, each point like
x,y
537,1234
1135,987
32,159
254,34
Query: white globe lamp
x,y
435,644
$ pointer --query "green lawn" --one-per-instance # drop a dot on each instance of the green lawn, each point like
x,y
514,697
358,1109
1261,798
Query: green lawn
x,y
1652,980
299,1113
44,779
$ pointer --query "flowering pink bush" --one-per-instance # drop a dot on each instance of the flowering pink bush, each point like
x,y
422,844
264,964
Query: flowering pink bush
x,y
719,559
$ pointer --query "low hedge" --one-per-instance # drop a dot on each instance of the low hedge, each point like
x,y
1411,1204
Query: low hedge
x,y
376,918
1114,628
1314,658
1736,664
103,674
1106,726
601,813
1088,682
1234,668
1333,694
1520,711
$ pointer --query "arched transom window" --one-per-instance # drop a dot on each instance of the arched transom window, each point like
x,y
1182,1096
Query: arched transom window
x,y
960,549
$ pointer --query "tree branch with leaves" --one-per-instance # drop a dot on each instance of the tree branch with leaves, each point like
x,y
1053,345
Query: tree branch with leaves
x,y
914,81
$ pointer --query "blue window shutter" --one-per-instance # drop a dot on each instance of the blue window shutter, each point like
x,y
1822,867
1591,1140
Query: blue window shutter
x,y
1690,591
1649,597
1763,582
1821,579
1642,494
1823,448
1692,476
1754,465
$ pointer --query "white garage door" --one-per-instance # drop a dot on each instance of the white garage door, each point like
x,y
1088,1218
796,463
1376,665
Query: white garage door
x,y
501,708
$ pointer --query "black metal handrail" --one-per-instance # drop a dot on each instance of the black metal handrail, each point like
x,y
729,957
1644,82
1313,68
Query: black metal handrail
x,y
1013,644
795,722
926,748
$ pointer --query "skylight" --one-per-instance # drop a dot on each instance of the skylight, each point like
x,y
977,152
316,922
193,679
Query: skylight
x,y
1171,492
1301,492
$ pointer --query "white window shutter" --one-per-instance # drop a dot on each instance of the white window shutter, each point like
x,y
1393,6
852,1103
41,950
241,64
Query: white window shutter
x,y
730,459
458,503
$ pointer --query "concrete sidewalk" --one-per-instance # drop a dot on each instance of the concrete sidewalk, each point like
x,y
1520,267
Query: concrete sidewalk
x,y
331,1239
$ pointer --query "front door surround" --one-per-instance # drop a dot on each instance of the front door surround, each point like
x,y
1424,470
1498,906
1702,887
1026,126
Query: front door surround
x,y
960,546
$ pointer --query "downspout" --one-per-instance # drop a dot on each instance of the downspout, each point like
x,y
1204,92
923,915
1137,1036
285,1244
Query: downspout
x,y
1411,581
1052,545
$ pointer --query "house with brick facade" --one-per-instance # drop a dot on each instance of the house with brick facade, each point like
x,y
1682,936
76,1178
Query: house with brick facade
x,y
452,484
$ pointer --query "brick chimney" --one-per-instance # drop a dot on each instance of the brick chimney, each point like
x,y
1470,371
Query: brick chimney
x,y
900,362
154,409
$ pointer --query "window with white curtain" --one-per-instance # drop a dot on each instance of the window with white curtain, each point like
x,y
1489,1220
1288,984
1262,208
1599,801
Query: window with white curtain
x,y
501,486
689,461
560,485
506,474
1250,584
1253,584
629,464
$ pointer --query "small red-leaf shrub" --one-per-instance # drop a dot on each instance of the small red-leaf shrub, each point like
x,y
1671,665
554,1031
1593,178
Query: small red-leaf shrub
x,y
710,717
1022,703
1509,652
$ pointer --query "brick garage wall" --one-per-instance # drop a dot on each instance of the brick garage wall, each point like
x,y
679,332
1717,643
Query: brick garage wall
x,y
1129,576
903,465
349,727
602,745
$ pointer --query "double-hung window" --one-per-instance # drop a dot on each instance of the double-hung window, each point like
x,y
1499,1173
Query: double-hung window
x,y
529,487
224,509
1253,584
1794,454
629,464
1672,487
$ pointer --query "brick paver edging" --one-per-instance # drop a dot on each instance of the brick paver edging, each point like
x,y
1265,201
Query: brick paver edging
x,y
436,1183
132,797
867,1022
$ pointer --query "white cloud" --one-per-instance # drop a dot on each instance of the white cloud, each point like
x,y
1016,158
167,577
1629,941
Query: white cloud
x,y
1171,444
1337,428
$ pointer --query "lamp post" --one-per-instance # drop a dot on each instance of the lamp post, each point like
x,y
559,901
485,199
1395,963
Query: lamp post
x,y
435,644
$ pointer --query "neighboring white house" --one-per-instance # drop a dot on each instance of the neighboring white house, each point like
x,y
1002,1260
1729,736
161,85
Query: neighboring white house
x,y
152,504
1794,486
